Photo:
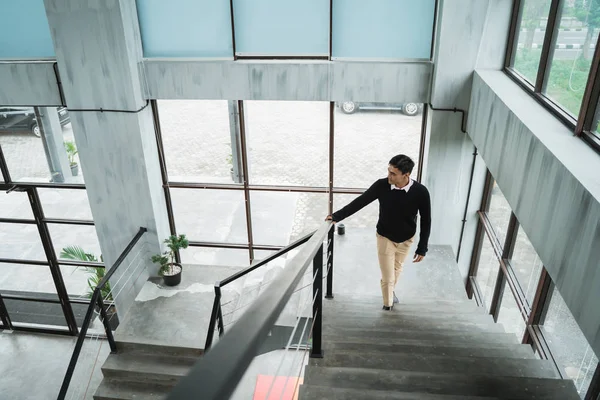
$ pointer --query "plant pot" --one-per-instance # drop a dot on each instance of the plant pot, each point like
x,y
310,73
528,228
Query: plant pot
x,y
75,169
111,313
175,279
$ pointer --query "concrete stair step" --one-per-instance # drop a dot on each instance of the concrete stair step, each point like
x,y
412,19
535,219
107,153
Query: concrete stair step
x,y
398,335
435,363
442,383
328,393
372,309
145,368
413,301
131,347
485,323
496,341
419,308
123,390
518,351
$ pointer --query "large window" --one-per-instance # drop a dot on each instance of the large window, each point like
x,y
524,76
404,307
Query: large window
x,y
289,151
533,18
552,54
44,211
567,342
508,278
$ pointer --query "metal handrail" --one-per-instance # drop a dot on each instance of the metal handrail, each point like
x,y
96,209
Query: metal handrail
x,y
97,300
216,315
238,347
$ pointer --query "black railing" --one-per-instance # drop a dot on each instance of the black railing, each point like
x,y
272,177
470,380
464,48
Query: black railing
x,y
216,316
97,300
216,375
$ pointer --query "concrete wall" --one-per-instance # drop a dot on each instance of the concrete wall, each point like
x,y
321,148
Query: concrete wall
x,y
469,33
550,179
288,80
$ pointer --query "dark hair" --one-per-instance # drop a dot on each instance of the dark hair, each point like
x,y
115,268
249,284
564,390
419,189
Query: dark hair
x,y
403,163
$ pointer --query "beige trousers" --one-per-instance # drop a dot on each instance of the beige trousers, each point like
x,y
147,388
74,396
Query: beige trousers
x,y
391,260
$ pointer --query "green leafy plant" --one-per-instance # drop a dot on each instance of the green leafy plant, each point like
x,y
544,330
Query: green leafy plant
x,y
166,260
71,152
76,253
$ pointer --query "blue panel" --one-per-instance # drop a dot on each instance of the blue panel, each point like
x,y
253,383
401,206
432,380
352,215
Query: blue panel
x,y
282,27
24,30
186,28
383,29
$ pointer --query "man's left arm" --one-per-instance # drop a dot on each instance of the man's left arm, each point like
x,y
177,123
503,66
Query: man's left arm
x,y
425,214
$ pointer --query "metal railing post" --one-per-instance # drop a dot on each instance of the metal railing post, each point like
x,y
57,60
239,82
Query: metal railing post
x,y
219,311
317,346
329,294
107,328
211,324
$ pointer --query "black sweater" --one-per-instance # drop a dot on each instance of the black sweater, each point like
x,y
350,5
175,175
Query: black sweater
x,y
397,211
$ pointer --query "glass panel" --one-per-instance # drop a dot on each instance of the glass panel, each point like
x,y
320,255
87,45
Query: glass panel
x,y
65,203
26,278
22,242
288,142
210,215
15,205
215,256
527,265
509,315
376,131
567,343
531,28
196,139
24,30
185,28
395,29
65,236
76,280
281,27
30,312
499,213
573,53
279,218
33,158
487,272
365,218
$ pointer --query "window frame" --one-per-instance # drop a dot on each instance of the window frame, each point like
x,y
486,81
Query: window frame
x,y
581,124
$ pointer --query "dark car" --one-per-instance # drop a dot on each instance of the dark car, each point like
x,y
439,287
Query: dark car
x,y
23,119
350,107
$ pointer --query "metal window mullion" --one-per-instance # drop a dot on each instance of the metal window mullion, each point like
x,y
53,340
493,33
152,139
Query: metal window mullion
x,y
46,239
511,44
331,155
591,95
163,172
547,47
479,234
244,148
4,167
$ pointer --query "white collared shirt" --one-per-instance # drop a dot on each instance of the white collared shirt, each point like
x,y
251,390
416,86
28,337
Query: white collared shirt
x,y
405,188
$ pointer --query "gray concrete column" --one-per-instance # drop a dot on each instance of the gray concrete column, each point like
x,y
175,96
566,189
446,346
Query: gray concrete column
x,y
98,50
469,33
52,139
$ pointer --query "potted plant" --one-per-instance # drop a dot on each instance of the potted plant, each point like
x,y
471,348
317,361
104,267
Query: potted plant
x,y
96,274
169,269
71,153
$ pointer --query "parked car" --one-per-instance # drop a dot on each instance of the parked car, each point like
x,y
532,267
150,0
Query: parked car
x,y
16,119
350,107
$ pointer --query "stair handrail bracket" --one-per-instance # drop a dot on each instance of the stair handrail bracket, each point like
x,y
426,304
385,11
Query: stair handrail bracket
x,y
242,342
97,300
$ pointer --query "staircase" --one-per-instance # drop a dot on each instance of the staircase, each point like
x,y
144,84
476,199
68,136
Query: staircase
x,y
143,371
425,350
